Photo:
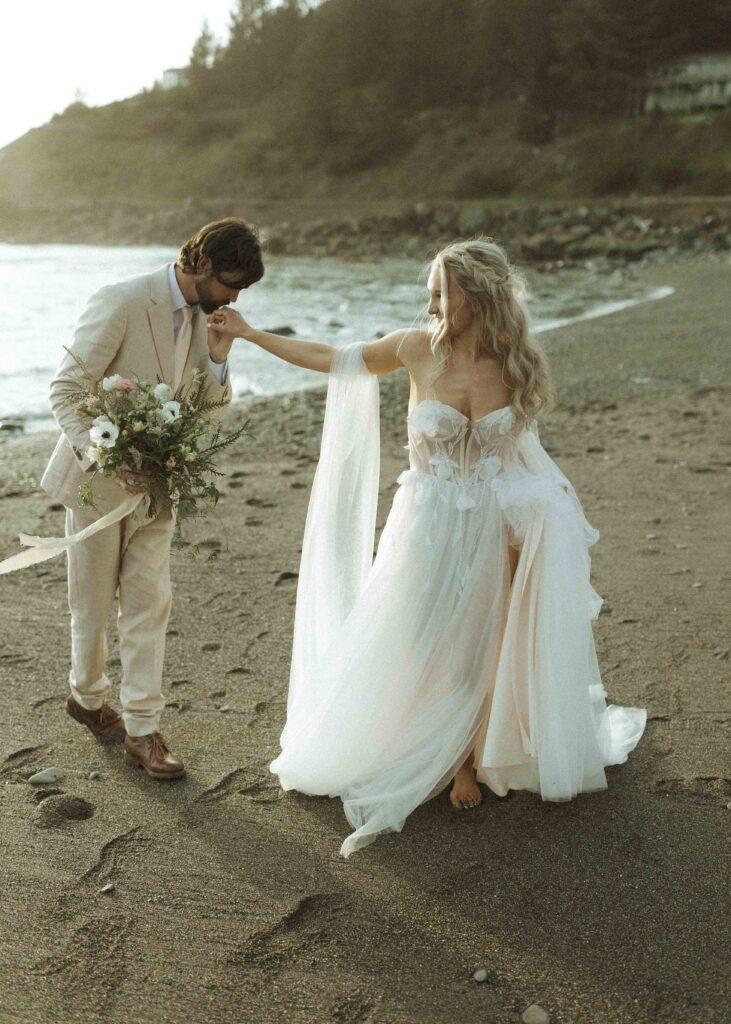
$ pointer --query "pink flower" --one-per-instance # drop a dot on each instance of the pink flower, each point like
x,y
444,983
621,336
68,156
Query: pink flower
x,y
117,383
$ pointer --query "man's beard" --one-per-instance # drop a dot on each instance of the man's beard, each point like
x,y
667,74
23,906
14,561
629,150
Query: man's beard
x,y
206,303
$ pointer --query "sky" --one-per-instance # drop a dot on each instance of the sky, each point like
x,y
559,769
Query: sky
x,y
103,50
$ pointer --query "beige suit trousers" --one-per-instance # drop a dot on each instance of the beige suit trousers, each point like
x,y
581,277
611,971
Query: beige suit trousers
x,y
131,557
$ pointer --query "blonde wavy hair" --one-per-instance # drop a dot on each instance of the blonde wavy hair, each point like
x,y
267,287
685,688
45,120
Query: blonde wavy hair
x,y
494,290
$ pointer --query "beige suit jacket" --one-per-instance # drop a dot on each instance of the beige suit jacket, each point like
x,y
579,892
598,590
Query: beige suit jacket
x,y
126,328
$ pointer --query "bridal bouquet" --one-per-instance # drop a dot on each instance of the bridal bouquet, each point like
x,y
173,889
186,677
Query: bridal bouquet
x,y
150,429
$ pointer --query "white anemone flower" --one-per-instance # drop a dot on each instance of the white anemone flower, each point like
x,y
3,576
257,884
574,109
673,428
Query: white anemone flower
x,y
109,383
103,433
162,392
170,411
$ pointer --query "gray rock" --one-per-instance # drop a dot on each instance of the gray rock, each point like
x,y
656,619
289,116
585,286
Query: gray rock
x,y
224,708
535,1014
480,975
109,887
472,220
650,536
95,775
285,331
445,218
47,775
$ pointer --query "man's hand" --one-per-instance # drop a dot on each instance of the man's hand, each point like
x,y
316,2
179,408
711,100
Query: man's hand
x,y
223,327
219,346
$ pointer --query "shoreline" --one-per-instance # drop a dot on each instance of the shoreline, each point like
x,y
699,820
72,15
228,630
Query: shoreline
x,y
13,427
607,908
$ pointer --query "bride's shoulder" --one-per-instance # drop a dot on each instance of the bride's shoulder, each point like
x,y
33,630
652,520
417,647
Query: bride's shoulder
x,y
413,345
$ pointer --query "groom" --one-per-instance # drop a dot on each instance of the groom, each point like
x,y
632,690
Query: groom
x,y
152,326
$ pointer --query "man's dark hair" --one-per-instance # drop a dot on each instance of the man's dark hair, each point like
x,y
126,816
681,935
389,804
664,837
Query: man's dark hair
x,y
232,247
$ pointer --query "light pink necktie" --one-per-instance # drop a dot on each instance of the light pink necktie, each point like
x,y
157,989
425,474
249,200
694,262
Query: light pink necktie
x,y
182,344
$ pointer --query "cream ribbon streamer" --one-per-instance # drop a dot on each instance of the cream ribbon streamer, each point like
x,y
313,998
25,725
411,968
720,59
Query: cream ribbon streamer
x,y
40,549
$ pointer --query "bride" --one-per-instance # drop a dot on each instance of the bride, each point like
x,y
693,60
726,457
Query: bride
x,y
464,651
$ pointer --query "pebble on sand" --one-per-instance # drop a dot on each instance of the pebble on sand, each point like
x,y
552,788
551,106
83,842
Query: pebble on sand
x,y
650,536
95,775
47,775
535,1014
109,887
480,975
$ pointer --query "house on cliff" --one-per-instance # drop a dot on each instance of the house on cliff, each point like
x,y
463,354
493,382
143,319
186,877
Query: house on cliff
x,y
174,77
696,82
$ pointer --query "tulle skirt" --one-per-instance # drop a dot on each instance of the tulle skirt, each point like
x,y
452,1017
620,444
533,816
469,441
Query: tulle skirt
x,y
440,655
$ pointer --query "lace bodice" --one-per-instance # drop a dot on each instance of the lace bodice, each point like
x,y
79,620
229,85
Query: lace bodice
x,y
444,443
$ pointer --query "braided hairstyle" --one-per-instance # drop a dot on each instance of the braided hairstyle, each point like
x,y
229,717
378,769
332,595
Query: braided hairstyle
x,y
231,245
494,290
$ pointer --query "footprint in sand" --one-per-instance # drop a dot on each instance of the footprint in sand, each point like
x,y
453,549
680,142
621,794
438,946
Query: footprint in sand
x,y
15,766
704,786
60,810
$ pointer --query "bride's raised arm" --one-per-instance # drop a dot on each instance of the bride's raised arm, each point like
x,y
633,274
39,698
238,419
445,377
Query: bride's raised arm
x,y
379,356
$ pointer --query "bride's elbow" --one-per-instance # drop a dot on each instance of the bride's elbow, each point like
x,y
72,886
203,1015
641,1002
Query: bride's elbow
x,y
327,356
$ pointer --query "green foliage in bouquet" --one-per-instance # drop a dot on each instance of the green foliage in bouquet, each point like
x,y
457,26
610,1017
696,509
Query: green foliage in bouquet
x,y
170,436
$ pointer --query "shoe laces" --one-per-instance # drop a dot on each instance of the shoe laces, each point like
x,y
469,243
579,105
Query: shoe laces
x,y
157,745
107,715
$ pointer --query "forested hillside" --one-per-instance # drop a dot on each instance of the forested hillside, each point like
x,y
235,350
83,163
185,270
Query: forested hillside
x,y
348,99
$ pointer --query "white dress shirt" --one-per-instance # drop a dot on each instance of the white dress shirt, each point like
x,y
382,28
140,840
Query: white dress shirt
x,y
219,370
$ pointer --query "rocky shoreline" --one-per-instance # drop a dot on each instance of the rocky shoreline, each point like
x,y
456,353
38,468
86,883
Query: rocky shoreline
x,y
550,235
556,236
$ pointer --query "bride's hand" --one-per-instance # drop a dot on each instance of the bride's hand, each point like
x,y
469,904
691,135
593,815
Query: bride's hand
x,y
228,323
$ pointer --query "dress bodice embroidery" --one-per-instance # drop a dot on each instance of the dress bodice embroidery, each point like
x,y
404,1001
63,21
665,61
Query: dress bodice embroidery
x,y
445,443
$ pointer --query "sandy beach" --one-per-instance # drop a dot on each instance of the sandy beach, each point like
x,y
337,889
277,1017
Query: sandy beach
x,y
231,904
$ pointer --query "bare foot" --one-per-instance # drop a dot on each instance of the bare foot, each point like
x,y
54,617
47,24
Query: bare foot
x,y
465,792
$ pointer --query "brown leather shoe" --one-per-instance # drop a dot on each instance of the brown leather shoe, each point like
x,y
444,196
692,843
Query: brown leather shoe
x,y
151,753
105,723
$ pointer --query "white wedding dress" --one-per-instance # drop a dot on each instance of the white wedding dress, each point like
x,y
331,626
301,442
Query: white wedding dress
x,y
404,664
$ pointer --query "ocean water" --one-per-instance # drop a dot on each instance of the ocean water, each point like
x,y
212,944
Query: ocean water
x,y
45,287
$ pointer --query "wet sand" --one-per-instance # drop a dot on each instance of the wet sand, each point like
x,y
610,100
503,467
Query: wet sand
x,y
231,903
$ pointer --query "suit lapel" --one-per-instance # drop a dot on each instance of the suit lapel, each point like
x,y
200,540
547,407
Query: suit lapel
x,y
160,314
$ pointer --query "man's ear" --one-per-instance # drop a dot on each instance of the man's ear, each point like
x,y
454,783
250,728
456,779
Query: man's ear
x,y
204,265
